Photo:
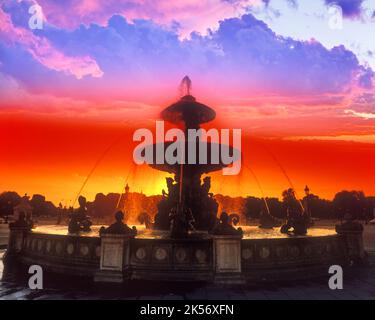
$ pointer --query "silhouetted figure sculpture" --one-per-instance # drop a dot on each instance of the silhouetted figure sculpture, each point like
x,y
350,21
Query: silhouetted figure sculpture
x,y
234,219
30,221
74,224
307,203
144,218
224,227
79,220
172,189
23,209
349,224
119,227
181,221
20,223
162,216
267,221
297,221
206,185
59,213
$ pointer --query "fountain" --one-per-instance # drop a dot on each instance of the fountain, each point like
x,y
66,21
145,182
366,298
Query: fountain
x,y
187,242
189,202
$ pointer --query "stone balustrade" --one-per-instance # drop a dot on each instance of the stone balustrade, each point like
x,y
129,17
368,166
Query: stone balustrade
x,y
222,259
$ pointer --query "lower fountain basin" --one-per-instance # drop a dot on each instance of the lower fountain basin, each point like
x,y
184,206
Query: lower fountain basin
x,y
261,255
250,232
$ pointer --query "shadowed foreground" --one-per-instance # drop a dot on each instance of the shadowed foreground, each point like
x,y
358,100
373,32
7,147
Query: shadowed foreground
x,y
358,284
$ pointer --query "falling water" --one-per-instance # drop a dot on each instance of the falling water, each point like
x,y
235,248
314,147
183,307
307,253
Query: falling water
x,y
185,86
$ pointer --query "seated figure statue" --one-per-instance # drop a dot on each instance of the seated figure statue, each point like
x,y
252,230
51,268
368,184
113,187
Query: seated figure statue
x,y
79,220
144,218
297,223
234,219
297,220
119,227
181,221
224,227
83,218
349,224
74,225
267,221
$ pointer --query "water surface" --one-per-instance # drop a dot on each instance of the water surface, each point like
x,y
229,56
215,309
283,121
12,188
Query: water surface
x,y
250,232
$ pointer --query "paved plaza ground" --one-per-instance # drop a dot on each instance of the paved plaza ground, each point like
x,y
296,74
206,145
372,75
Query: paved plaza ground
x,y
359,284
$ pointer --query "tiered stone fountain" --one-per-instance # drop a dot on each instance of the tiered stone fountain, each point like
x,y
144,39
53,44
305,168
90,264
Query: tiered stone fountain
x,y
187,193
182,254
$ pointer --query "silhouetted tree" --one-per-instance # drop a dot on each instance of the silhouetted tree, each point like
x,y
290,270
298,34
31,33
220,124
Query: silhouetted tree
x,y
317,207
345,202
41,207
8,200
253,206
276,208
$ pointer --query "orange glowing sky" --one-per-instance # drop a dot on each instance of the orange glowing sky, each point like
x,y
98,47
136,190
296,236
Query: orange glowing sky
x,y
53,156
303,94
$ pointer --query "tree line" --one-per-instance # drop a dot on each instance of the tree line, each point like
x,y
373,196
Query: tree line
x,y
344,204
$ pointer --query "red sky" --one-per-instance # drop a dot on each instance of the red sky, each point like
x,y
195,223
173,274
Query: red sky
x,y
53,156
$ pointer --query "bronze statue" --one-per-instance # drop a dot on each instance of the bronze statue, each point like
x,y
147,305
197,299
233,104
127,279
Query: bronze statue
x,y
119,227
144,218
181,221
79,220
267,221
297,220
224,227
234,219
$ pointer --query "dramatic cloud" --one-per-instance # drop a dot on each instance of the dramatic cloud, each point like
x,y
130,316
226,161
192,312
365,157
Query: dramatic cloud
x,y
242,57
43,52
363,104
366,78
187,15
364,115
350,8
122,65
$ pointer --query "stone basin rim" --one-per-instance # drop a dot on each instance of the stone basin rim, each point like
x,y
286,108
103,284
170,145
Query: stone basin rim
x,y
199,235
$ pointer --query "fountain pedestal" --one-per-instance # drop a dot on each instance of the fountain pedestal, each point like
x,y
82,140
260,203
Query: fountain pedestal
x,y
227,259
16,240
114,258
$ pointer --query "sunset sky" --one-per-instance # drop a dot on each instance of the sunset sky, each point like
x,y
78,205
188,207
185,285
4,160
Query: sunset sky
x,y
73,93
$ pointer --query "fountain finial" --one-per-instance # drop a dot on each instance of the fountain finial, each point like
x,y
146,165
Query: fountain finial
x,y
185,86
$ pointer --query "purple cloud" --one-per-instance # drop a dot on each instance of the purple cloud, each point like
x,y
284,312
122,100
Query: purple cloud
x,y
350,8
364,103
242,57
366,78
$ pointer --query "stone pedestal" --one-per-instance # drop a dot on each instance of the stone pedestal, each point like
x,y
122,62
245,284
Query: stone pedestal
x,y
114,258
227,260
15,242
16,236
4,235
352,231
